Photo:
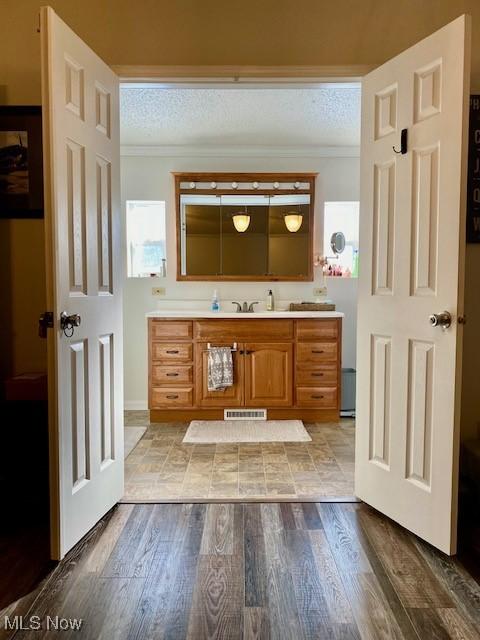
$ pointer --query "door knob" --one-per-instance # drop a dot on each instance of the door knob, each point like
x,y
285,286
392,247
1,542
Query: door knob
x,y
69,322
443,320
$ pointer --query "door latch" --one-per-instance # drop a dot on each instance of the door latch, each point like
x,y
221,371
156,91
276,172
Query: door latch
x,y
45,322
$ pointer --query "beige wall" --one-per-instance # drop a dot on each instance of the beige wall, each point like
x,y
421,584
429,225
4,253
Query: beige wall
x,y
215,32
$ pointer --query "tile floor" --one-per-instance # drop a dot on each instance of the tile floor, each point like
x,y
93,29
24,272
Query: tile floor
x,y
161,468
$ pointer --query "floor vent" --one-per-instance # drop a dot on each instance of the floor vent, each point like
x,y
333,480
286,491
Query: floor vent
x,y
245,414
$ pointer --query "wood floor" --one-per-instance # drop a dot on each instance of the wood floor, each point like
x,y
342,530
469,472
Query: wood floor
x,y
162,468
289,570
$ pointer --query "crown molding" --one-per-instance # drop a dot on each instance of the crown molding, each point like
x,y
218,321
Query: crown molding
x,y
244,151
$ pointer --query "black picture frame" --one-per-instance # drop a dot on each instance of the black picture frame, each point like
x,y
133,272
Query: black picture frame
x,y
473,181
21,162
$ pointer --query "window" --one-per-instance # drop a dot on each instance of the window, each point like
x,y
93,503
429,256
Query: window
x,y
344,217
146,249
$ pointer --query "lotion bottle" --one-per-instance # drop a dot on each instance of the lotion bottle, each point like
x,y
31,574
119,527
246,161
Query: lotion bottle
x,y
270,302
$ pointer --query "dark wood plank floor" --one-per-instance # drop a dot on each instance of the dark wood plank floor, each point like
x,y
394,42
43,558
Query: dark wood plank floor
x,y
257,571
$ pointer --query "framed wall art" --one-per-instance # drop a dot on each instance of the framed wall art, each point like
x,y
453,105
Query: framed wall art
x,y
21,162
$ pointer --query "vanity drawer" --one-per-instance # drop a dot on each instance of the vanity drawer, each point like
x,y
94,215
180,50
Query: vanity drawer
x,y
314,375
171,374
321,397
172,352
242,330
317,329
170,330
171,397
314,352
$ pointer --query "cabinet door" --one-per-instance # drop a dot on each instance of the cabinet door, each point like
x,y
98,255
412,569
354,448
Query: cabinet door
x,y
231,396
268,374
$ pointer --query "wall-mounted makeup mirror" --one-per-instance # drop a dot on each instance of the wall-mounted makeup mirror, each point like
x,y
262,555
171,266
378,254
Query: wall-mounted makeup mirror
x,y
337,242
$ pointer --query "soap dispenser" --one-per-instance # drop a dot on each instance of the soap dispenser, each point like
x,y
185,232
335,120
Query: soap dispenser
x,y
215,303
270,302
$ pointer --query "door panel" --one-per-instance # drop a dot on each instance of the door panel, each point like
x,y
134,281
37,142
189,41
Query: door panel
x,y
412,237
84,276
268,374
231,396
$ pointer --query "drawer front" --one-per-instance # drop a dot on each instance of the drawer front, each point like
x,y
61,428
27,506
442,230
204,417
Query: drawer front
x,y
167,330
171,374
321,397
314,352
172,352
242,330
317,329
171,397
312,376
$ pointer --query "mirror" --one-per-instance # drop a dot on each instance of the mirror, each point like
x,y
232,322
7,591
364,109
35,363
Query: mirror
x,y
244,236
337,242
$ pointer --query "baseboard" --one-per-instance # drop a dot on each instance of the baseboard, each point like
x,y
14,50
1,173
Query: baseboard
x,y
135,405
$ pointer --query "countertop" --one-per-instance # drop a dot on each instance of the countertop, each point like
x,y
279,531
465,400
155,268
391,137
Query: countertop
x,y
198,313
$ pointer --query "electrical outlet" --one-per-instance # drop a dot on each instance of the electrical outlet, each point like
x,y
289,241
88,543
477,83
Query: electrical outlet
x,y
158,291
320,291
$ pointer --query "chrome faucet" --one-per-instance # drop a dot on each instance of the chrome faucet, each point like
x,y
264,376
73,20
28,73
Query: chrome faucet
x,y
245,307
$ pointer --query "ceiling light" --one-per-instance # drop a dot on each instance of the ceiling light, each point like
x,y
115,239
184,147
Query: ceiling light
x,y
293,221
241,221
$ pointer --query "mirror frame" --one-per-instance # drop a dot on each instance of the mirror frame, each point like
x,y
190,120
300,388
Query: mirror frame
x,y
230,177
333,242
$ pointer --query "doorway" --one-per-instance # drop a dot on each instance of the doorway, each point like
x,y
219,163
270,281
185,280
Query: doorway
x,y
282,126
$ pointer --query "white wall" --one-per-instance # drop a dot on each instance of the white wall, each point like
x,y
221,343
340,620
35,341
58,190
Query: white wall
x,y
149,178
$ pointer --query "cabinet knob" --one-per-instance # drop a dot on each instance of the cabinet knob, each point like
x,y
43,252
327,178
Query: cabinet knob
x,y
172,397
171,375
317,397
316,374
318,351
172,351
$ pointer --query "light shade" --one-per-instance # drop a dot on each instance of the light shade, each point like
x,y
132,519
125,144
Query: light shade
x,y
241,221
293,221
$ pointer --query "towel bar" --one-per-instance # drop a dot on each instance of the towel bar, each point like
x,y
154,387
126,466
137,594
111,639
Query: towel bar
x,y
232,348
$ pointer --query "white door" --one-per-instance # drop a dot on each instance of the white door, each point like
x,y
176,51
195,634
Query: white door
x,y
412,260
84,267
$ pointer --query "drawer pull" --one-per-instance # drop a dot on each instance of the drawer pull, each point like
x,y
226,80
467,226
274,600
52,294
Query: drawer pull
x,y
172,351
317,375
171,375
318,351
172,397
317,397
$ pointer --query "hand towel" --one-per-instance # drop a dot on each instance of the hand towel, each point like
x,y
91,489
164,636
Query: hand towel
x,y
220,368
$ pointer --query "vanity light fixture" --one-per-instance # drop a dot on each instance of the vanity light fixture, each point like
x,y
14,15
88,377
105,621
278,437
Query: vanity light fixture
x,y
213,185
192,185
234,185
293,220
276,185
254,185
296,185
241,221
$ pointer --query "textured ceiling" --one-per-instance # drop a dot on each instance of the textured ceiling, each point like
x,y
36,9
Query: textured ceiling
x,y
326,116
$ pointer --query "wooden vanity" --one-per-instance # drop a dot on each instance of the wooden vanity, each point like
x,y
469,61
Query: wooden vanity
x,y
291,367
